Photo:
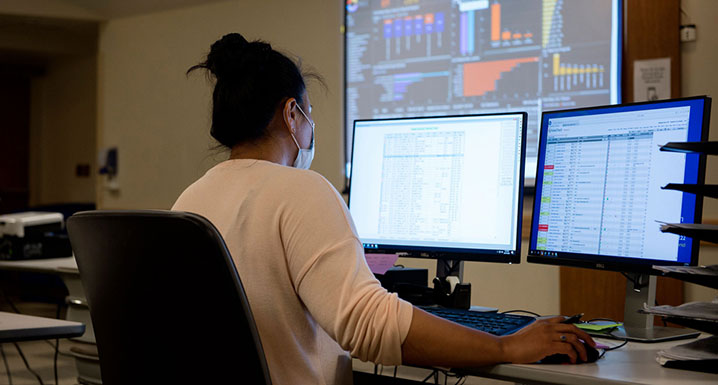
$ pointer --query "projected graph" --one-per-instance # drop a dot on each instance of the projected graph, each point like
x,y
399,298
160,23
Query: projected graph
x,y
552,29
484,28
481,78
503,34
572,76
397,86
404,33
440,57
467,30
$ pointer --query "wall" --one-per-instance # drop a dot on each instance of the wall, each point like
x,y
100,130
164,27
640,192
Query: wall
x,y
63,130
699,60
46,8
159,118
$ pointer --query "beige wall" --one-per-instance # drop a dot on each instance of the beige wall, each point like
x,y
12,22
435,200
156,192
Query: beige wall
x,y
159,119
698,61
46,8
63,130
156,116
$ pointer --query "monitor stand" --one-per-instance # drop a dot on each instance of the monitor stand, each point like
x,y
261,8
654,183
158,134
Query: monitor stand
x,y
445,268
460,298
639,327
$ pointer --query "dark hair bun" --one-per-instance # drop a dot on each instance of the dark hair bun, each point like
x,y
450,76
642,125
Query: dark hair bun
x,y
252,79
225,53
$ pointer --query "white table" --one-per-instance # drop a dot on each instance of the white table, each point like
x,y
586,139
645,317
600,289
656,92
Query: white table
x,y
634,363
66,269
18,327
88,367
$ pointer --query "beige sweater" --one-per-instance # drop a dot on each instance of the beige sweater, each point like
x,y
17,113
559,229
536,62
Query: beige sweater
x,y
303,267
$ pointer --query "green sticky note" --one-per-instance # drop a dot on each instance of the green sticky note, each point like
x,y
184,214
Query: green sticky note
x,y
598,327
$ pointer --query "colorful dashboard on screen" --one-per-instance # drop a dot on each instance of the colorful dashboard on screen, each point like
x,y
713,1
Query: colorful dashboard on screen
x,y
409,58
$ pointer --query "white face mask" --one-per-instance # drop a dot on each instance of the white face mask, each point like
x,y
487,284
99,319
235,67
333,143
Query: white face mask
x,y
304,156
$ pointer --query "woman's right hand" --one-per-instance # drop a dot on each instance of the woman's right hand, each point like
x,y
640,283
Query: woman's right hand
x,y
544,338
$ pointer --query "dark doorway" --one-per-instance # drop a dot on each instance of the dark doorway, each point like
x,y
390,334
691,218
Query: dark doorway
x,y
14,141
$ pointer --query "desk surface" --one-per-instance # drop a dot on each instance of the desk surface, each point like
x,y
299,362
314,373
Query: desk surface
x,y
634,363
49,265
18,327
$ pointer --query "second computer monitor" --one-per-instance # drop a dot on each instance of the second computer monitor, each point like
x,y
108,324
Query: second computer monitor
x,y
440,187
599,196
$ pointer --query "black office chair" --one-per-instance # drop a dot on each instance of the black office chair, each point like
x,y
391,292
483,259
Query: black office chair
x,y
166,302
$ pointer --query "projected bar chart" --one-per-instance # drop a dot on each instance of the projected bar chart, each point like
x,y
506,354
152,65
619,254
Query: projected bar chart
x,y
468,32
571,76
397,86
400,34
481,78
501,34
552,28
447,57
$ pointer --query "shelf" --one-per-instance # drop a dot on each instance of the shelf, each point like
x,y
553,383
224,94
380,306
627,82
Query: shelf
x,y
709,148
696,231
701,275
706,190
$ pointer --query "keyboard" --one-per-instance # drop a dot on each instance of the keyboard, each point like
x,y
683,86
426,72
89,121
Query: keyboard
x,y
489,322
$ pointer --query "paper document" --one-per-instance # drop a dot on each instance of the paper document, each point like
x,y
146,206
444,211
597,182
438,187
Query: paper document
x,y
597,327
707,311
380,263
711,270
703,349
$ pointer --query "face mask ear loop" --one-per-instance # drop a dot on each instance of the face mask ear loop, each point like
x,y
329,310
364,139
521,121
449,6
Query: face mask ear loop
x,y
295,141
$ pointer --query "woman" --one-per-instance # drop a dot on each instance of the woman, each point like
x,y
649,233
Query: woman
x,y
296,249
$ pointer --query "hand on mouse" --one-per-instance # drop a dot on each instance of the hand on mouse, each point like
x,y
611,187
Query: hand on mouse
x,y
544,338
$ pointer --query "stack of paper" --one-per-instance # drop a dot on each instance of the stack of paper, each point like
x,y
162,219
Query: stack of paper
x,y
702,275
697,355
701,316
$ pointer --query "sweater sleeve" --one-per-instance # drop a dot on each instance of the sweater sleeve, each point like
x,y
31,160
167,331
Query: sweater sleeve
x,y
331,277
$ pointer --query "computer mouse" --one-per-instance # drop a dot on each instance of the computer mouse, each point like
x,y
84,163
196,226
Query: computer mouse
x,y
592,355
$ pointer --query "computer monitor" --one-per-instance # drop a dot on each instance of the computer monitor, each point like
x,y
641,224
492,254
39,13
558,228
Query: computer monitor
x,y
599,200
447,187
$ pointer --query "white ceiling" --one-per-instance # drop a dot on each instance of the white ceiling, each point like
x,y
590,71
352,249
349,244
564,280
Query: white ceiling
x,y
111,9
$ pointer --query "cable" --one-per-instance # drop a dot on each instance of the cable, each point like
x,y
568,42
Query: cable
x,y
610,333
57,346
520,311
27,365
7,366
637,285
429,376
10,302
54,365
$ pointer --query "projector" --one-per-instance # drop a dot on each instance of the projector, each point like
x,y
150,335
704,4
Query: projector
x,y
33,235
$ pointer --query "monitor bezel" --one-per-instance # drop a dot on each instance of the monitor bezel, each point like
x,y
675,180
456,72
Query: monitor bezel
x,y
457,254
615,263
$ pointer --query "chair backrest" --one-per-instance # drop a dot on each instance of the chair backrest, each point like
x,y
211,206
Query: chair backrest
x,y
166,302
